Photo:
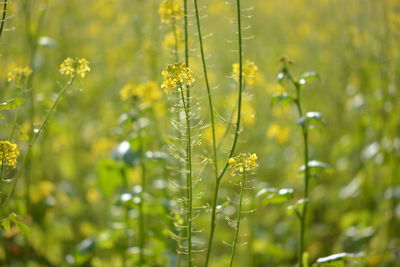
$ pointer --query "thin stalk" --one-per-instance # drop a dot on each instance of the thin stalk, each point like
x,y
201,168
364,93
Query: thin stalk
x,y
185,17
303,217
3,17
33,141
214,145
189,189
237,131
141,213
235,240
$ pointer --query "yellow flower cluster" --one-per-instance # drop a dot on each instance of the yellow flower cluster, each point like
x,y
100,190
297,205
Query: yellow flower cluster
x,y
148,92
170,10
176,76
244,162
70,66
249,72
19,74
278,132
8,154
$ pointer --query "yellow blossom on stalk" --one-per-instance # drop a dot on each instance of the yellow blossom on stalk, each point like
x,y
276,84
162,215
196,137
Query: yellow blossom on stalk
x,y
19,74
244,162
249,72
70,66
176,76
83,67
8,154
170,10
278,132
148,92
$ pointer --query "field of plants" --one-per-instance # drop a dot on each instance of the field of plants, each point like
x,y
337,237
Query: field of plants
x,y
209,133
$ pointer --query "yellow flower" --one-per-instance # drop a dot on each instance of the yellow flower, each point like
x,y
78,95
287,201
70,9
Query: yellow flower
x,y
243,163
170,10
176,76
8,154
148,92
70,66
83,67
249,72
278,132
19,75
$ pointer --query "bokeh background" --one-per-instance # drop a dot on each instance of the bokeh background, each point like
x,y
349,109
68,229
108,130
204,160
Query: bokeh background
x,y
69,195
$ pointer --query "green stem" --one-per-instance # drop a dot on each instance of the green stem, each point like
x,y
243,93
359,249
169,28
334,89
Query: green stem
x,y
235,240
33,141
141,213
235,138
303,217
185,15
189,184
3,17
214,146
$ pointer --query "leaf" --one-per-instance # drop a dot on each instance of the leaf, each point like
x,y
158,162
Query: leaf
x,y
275,196
312,119
10,104
308,77
123,152
282,99
108,176
19,223
315,167
339,259
5,224
281,77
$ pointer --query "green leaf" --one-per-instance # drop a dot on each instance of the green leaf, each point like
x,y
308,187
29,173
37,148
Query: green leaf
x,y
19,223
5,224
282,99
315,167
281,77
108,176
339,259
312,119
274,195
10,104
308,77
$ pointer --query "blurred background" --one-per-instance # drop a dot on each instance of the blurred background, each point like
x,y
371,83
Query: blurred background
x,y
78,195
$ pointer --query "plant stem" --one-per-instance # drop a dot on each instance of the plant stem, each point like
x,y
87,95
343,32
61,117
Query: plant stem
x,y
303,216
189,189
33,141
142,193
3,17
214,146
235,138
235,240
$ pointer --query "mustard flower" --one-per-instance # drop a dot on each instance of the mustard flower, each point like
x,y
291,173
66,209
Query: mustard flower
x,y
148,92
8,154
19,75
170,10
70,66
244,162
176,76
249,72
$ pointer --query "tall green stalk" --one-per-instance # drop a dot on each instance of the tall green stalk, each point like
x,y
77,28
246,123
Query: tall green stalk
x,y
303,215
237,131
237,227
211,108
186,106
189,184
142,231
